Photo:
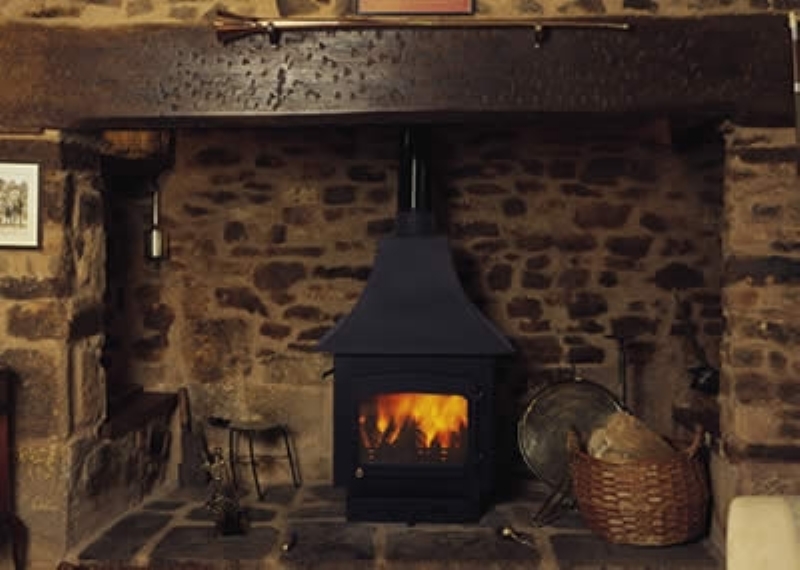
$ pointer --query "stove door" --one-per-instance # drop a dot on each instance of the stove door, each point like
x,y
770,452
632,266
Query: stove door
x,y
414,438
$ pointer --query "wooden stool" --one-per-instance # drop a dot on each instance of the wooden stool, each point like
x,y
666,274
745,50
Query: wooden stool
x,y
251,430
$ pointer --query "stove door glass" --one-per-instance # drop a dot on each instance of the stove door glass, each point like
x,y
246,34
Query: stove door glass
x,y
413,428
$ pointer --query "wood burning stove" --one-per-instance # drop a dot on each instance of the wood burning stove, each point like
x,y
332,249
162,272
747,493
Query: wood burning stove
x,y
414,376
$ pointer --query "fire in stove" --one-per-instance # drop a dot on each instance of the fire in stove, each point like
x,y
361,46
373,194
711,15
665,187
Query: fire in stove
x,y
414,428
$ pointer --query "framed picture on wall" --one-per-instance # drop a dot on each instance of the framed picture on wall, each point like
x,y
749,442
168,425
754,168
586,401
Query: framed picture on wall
x,y
19,204
411,7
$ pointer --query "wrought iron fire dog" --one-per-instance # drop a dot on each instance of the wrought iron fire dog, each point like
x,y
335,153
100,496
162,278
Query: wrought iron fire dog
x,y
223,501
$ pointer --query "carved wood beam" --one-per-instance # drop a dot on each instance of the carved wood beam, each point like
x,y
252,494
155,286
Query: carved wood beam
x,y
71,78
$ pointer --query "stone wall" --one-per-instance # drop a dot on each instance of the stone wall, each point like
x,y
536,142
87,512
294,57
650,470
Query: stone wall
x,y
51,312
562,239
758,401
89,13
757,452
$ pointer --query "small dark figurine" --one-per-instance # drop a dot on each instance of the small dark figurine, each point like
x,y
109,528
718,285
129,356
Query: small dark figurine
x,y
223,501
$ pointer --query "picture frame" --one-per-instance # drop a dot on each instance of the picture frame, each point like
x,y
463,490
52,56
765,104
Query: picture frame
x,y
19,205
414,7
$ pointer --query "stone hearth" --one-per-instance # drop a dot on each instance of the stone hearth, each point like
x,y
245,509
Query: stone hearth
x,y
176,531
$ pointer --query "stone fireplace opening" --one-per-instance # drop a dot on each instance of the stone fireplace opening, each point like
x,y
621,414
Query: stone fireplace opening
x,y
562,239
565,238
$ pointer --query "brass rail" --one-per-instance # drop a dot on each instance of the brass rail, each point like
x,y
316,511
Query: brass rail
x,y
231,27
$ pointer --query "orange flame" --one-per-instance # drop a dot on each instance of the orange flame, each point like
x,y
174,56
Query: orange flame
x,y
439,419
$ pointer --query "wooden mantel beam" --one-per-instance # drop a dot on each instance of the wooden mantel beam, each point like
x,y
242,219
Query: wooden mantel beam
x,y
72,78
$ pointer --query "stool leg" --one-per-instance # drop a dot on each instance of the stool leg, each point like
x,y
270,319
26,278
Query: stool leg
x,y
290,455
233,451
253,466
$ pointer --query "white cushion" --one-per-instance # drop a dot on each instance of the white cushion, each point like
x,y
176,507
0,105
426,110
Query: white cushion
x,y
763,533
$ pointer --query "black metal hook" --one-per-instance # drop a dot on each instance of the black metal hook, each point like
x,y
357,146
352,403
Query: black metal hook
x,y
539,35
273,33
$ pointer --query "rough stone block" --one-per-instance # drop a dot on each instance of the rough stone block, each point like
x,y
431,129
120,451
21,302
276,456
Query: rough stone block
x,y
89,390
38,321
42,496
757,423
42,401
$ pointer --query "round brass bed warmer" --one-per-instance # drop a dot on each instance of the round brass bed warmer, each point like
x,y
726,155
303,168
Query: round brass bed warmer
x,y
553,411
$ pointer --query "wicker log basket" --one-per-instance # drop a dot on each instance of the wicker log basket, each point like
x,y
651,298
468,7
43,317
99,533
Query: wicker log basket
x,y
647,502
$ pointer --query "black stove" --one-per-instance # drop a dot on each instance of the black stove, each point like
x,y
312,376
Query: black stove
x,y
414,371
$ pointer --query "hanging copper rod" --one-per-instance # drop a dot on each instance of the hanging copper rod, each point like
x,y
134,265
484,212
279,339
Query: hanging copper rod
x,y
231,27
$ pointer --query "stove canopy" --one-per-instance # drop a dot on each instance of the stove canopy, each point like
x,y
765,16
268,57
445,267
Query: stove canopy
x,y
413,302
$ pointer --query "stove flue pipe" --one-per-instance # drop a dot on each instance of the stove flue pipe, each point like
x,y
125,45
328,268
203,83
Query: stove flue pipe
x,y
414,198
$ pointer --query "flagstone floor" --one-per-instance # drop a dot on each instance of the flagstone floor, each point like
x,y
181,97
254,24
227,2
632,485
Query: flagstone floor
x,y
306,528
